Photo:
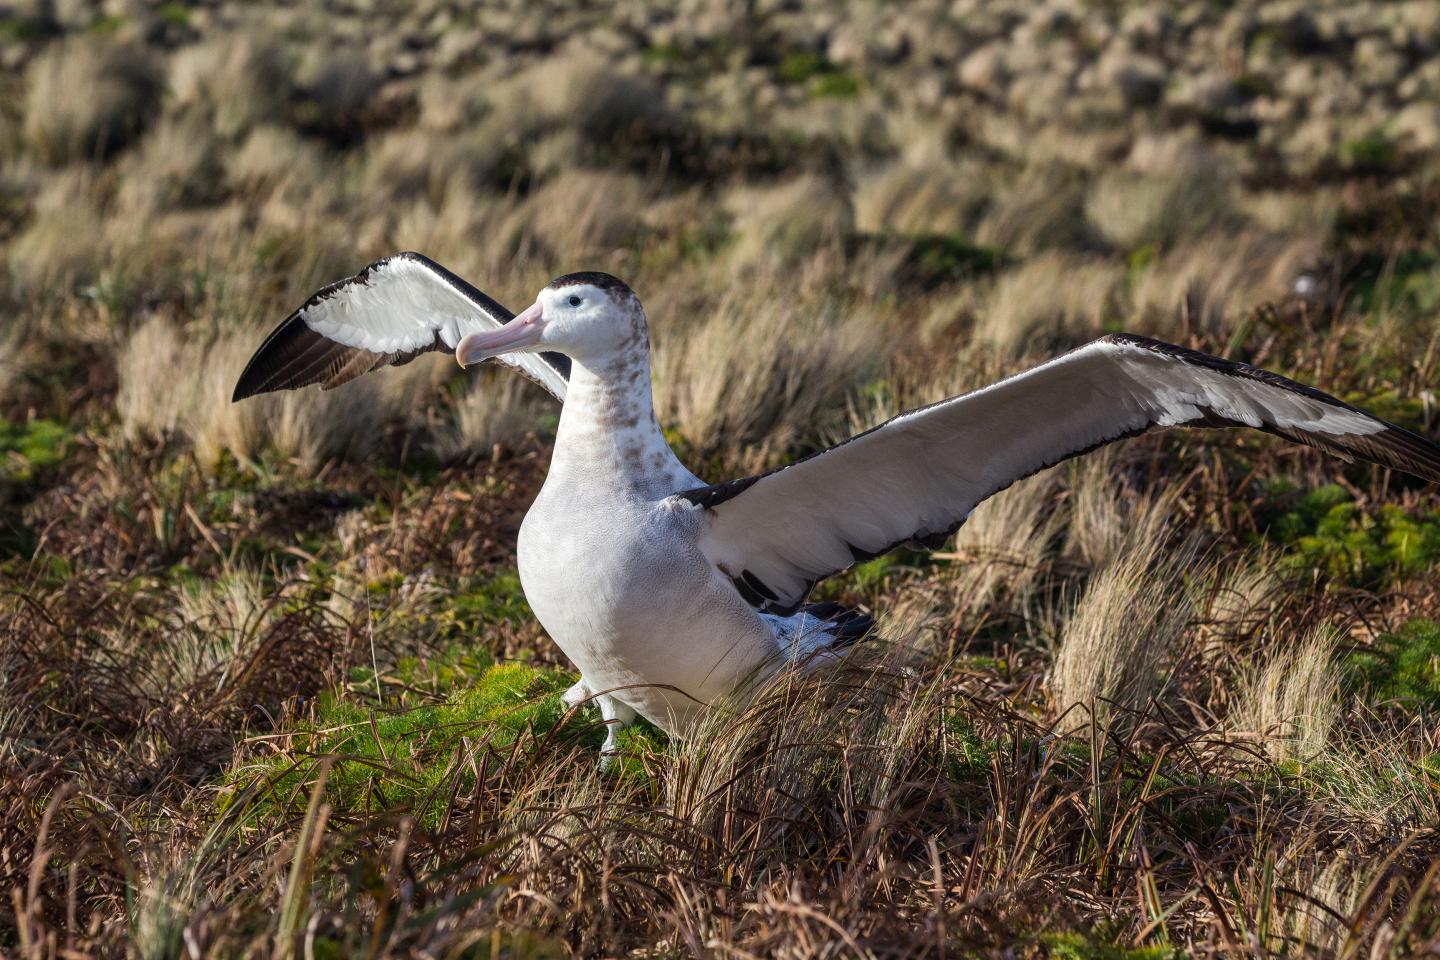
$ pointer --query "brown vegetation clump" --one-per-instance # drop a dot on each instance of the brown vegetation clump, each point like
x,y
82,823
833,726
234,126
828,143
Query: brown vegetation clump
x,y
88,97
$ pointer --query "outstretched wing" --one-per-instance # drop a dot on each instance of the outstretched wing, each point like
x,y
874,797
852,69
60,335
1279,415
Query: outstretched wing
x,y
917,477
386,315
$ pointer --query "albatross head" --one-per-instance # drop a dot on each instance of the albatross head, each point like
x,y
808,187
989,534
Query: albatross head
x,y
580,315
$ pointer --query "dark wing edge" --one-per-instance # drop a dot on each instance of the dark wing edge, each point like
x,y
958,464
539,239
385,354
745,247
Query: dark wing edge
x,y
1393,447
294,356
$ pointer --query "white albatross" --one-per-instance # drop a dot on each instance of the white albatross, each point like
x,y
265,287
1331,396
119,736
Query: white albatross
x,y
669,593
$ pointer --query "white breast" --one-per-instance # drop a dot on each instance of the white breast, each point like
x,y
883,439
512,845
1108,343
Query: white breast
x,y
620,585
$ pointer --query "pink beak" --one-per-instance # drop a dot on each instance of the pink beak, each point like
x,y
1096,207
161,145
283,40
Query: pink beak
x,y
523,331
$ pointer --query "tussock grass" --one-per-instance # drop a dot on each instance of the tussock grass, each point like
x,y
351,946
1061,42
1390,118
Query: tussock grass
x,y
1292,702
1057,295
87,98
1210,278
495,414
1119,645
931,198
789,222
173,383
268,682
240,81
736,380
1131,210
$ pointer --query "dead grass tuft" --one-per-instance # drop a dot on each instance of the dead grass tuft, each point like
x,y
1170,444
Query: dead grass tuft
x,y
87,98
759,373
176,383
1120,643
1053,299
785,224
1291,703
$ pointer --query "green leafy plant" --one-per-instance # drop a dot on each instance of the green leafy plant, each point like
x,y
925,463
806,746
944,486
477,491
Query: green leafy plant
x,y
1402,668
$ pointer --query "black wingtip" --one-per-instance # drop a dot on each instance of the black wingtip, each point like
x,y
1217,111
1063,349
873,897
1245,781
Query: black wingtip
x,y
260,368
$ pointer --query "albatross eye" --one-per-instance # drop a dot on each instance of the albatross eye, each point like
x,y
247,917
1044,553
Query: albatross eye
x,y
574,301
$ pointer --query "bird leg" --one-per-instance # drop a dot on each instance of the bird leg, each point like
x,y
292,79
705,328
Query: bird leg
x,y
576,695
617,717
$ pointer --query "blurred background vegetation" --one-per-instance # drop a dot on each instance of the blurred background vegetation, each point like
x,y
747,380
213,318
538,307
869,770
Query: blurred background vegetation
x,y
832,212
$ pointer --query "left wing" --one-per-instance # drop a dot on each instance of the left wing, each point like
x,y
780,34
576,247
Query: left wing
x,y
386,315
917,477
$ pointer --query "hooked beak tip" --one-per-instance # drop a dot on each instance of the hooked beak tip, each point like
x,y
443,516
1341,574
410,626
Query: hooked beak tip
x,y
520,333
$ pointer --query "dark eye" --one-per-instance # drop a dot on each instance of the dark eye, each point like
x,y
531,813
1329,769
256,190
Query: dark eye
x,y
574,301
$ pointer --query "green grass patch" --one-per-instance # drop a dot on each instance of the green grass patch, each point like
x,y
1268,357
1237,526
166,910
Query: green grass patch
x,y
27,29
177,14
841,84
1408,283
801,66
499,598
968,756
664,53
107,24
27,448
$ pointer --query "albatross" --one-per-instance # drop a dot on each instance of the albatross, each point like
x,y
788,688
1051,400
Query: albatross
x,y
670,594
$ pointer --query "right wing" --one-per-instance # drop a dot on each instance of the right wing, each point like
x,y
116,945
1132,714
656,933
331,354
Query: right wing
x,y
917,477
386,315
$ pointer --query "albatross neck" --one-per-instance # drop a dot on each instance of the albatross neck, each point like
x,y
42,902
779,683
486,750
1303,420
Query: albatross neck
x,y
608,432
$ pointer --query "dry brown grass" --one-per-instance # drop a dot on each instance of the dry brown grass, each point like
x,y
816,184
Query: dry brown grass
x,y
1119,645
179,383
1119,715
739,380
88,97
1054,297
1292,702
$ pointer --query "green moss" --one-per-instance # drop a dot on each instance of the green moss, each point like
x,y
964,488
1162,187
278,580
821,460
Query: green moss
x,y
663,53
801,66
824,79
968,756
637,743
408,757
107,24
499,598
27,29
1402,667
1372,151
27,448
174,13
873,574
1094,946
841,83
